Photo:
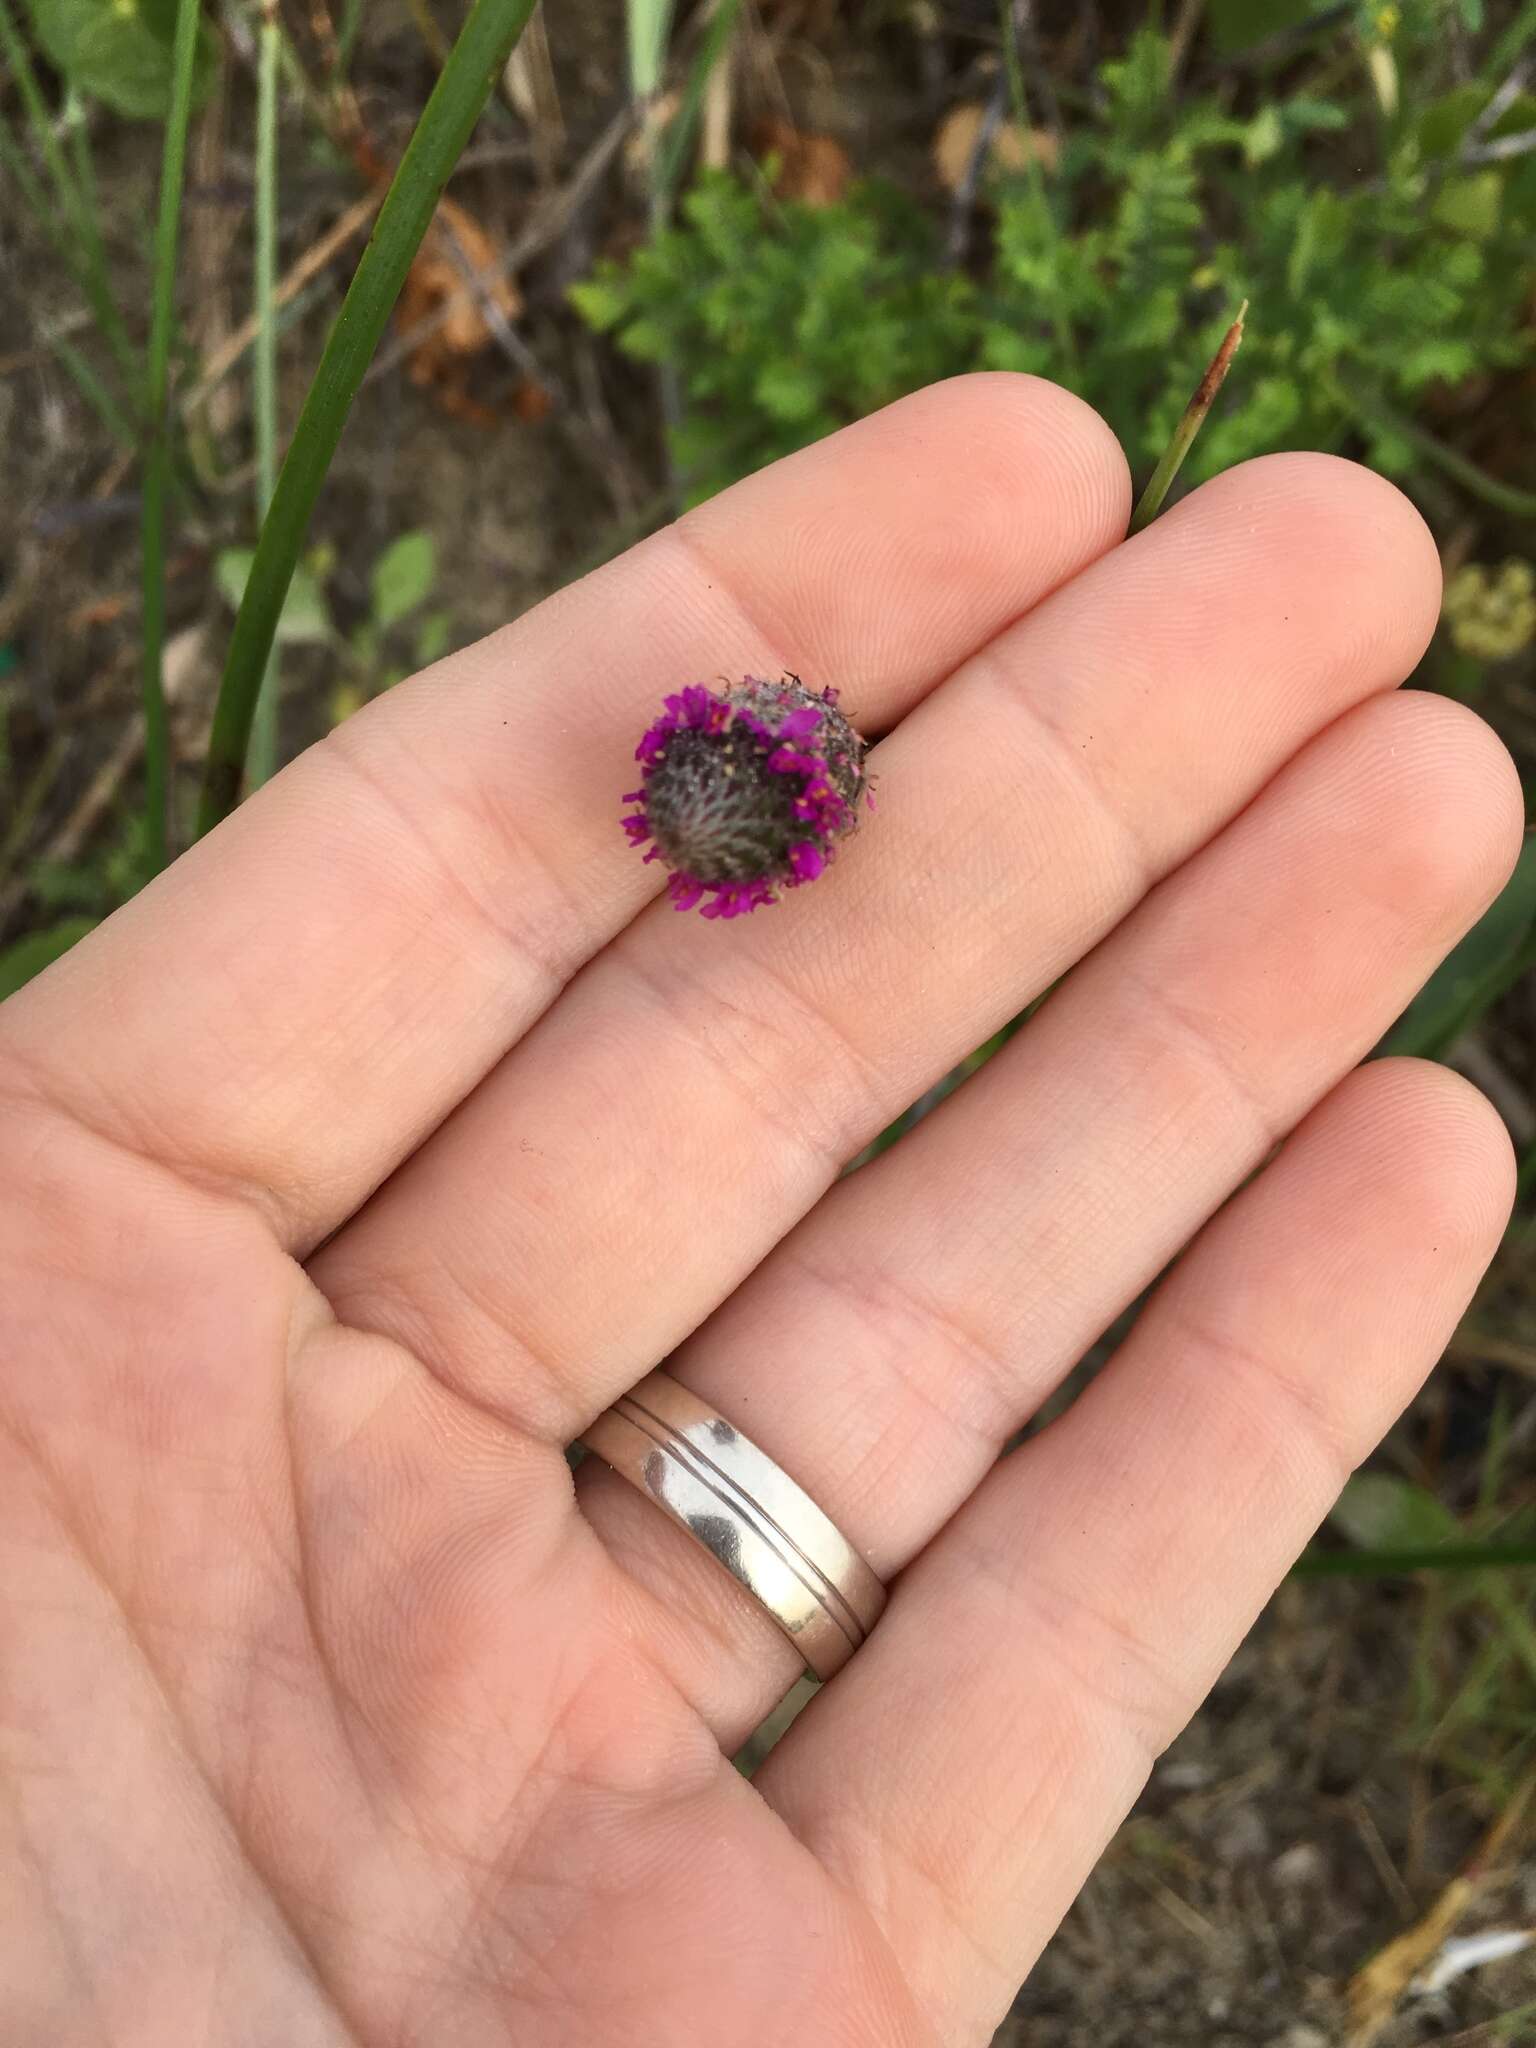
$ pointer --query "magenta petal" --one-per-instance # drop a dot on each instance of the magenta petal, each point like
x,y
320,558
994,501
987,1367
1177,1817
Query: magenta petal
x,y
806,860
800,723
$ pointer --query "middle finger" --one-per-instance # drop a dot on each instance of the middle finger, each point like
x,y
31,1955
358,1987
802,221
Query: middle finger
x,y
694,1092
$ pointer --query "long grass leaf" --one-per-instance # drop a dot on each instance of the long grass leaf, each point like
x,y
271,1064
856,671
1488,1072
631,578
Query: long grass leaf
x,y
464,84
157,454
261,760
1397,1564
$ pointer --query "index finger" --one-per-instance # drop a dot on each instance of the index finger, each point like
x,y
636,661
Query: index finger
x,y
292,1007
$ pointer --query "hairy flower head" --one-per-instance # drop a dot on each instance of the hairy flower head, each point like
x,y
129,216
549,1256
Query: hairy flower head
x,y
744,791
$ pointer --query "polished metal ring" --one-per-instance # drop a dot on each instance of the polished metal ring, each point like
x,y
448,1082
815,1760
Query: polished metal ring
x,y
747,1512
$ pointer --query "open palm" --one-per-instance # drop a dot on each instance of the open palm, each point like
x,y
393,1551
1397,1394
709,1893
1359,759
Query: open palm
x,y
350,1171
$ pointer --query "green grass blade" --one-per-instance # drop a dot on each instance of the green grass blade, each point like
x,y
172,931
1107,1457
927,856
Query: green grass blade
x,y
93,249
261,758
474,64
1397,1564
157,454
1498,951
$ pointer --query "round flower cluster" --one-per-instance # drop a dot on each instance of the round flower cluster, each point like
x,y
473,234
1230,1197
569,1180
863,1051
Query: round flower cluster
x,y
1492,612
745,792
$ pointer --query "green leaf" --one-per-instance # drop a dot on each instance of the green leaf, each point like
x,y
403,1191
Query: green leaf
x,y
1470,205
403,577
787,390
305,615
647,341
1377,1511
1304,112
1264,136
434,637
1477,973
474,64
601,301
119,51
26,957
1239,24
1443,122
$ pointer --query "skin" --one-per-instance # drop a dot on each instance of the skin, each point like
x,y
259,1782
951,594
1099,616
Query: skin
x,y
375,1148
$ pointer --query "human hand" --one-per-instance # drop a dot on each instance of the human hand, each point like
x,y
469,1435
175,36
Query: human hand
x,y
358,1164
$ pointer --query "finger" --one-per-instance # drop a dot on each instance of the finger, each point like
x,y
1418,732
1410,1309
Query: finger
x,y
966,1770
297,1002
896,1339
690,1098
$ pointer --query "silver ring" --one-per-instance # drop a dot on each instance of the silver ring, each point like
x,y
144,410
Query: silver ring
x,y
747,1513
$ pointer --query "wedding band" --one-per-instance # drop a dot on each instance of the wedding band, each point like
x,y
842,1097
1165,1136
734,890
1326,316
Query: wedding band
x,y
747,1512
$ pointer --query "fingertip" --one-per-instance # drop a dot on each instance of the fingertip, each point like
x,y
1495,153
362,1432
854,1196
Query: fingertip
x,y
1437,791
1441,1147
1012,416
889,551
1351,547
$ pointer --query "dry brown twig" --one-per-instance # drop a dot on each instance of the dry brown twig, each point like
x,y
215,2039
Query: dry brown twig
x,y
548,223
1380,1985
309,265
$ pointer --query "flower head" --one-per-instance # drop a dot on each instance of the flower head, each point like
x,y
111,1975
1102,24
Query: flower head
x,y
1491,612
744,792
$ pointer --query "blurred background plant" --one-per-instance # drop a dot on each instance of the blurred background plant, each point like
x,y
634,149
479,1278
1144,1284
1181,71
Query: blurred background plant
x,y
679,242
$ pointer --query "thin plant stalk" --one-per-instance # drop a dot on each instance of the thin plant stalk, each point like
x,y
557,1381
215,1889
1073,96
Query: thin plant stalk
x,y
1372,410
351,20
72,204
92,388
157,451
474,64
93,249
1009,18
1150,502
672,155
95,393
52,219
647,24
261,758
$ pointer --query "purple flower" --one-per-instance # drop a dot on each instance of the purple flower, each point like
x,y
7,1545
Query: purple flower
x,y
744,793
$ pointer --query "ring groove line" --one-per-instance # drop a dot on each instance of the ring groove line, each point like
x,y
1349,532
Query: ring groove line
x,y
730,1495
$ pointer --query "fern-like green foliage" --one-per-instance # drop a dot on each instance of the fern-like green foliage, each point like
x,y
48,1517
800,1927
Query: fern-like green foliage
x,y
1378,262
